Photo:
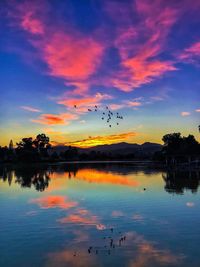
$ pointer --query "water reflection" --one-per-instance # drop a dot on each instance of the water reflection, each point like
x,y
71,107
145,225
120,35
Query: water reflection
x,y
118,174
140,252
98,215
26,177
178,182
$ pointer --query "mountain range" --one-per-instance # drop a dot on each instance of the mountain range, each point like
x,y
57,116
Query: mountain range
x,y
118,148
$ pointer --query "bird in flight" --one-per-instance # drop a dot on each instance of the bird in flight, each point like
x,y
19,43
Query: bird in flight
x,y
108,115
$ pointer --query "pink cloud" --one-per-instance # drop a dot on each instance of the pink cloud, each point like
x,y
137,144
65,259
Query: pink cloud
x,y
185,113
31,24
116,106
67,53
71,56
53,119
76,58
31,109
83,103
83,217
191,54
197,110
134,103
140,45
190,204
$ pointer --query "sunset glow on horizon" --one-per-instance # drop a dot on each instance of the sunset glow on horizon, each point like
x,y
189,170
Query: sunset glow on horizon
x,y
138,57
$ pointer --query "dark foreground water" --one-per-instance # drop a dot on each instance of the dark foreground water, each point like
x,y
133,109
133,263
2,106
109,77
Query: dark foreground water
x,y
98,215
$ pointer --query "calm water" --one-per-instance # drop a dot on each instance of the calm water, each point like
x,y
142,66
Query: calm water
x,y
53,215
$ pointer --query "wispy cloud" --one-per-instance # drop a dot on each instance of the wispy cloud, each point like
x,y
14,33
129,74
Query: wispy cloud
x,y
31,109
134,103
191,54
84,102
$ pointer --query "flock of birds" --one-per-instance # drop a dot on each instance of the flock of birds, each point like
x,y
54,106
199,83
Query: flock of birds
x,y
109,246
107,115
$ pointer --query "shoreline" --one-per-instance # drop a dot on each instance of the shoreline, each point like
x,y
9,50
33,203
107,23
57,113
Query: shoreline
x,y
135,163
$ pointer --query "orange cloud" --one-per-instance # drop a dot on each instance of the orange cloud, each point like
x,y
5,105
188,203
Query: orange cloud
x,y
101,177
102,140
49,202
52,119
31,109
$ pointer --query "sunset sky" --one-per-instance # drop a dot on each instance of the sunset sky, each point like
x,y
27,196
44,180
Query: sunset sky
x,y
139,57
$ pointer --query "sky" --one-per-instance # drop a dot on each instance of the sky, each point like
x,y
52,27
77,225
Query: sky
x,y
141,58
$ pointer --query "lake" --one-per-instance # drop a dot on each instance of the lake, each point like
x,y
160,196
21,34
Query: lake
x,y
100,214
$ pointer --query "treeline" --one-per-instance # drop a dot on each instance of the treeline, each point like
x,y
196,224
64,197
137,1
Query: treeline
x,y
40,150
176,149
27,150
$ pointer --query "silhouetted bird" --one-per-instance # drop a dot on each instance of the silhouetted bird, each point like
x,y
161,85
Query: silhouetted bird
x,y
89,109
75,106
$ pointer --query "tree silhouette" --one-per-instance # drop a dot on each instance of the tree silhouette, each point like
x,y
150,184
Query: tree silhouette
x,y
41,141
32,150
172,143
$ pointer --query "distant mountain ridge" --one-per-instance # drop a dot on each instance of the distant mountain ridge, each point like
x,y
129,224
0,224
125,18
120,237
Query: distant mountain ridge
x,y
117,148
